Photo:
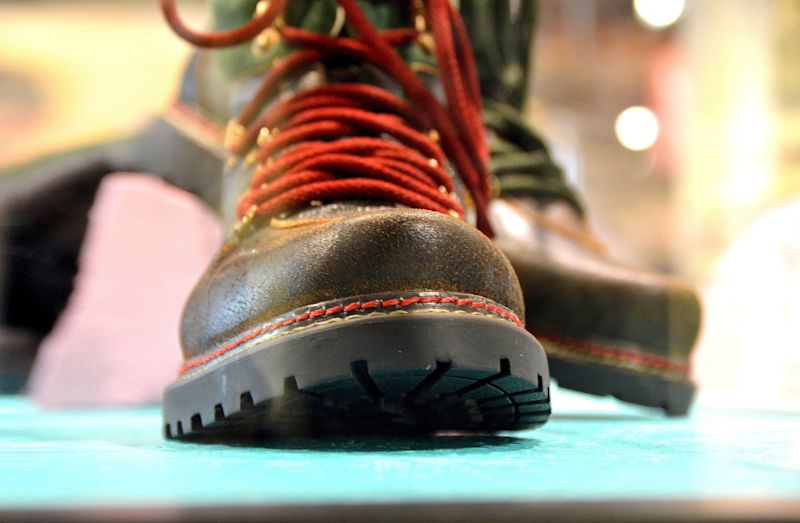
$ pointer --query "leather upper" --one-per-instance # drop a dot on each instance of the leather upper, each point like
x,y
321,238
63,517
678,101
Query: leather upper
x,y
278,269
573,290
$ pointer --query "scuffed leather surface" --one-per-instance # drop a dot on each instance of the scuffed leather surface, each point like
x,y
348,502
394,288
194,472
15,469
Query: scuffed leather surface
x,y
277,270
573,291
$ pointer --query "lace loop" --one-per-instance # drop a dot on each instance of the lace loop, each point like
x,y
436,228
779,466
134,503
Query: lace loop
x,y
236,36
331,141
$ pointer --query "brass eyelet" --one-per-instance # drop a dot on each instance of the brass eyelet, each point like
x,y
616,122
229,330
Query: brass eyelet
x,y
424,38
265,136
427,43
420,17
251,158
261,7
234,132
244,226
266,40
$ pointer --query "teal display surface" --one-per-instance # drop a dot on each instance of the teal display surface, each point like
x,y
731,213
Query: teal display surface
x,y
589,451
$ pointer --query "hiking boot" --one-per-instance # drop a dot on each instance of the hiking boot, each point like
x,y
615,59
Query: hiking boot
x,y
607,328
353,294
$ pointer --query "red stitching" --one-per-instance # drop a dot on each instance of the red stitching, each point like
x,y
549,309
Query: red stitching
x,y
616,353
394,302
196,119
334,310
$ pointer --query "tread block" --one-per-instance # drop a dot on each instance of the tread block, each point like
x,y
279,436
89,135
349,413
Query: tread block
x,y
246,401
219,413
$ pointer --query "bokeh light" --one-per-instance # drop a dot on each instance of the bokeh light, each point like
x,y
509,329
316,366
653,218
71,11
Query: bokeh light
x,y
658,14
636,128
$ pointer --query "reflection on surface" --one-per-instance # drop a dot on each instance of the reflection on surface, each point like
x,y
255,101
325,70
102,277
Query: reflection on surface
x,y
435,442
120,457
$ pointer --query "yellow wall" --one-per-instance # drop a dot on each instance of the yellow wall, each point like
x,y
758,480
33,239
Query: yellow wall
x,y
72,72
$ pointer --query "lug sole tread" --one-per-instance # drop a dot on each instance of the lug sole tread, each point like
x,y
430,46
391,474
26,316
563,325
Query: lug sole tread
x,y
413,401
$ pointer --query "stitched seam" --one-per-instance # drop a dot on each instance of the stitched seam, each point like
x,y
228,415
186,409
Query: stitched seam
x,y
346,309
196,119
233,353
614,356
556,351
615,353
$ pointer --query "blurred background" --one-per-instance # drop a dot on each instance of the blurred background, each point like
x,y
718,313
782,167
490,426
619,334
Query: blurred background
x,y
678,119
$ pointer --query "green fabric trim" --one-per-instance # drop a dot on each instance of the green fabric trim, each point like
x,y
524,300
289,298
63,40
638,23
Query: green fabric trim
x,y
526,185
502,44
509,124
501,40
536,163
521,160
313,15
229,14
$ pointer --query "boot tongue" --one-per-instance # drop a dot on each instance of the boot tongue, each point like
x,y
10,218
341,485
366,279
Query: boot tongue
x,y
235,72
319,16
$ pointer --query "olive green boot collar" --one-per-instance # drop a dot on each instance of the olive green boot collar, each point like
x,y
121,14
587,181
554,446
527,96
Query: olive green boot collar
x,y
319,16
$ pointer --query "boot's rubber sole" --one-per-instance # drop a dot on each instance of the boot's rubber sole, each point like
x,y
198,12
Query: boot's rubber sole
x,y
632,376
419,363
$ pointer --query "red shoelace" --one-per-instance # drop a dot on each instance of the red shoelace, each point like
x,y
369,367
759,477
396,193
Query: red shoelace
x,y
328,146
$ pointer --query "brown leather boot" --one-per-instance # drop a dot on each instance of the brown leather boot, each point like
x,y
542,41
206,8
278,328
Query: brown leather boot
x,y
353,294
608,328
